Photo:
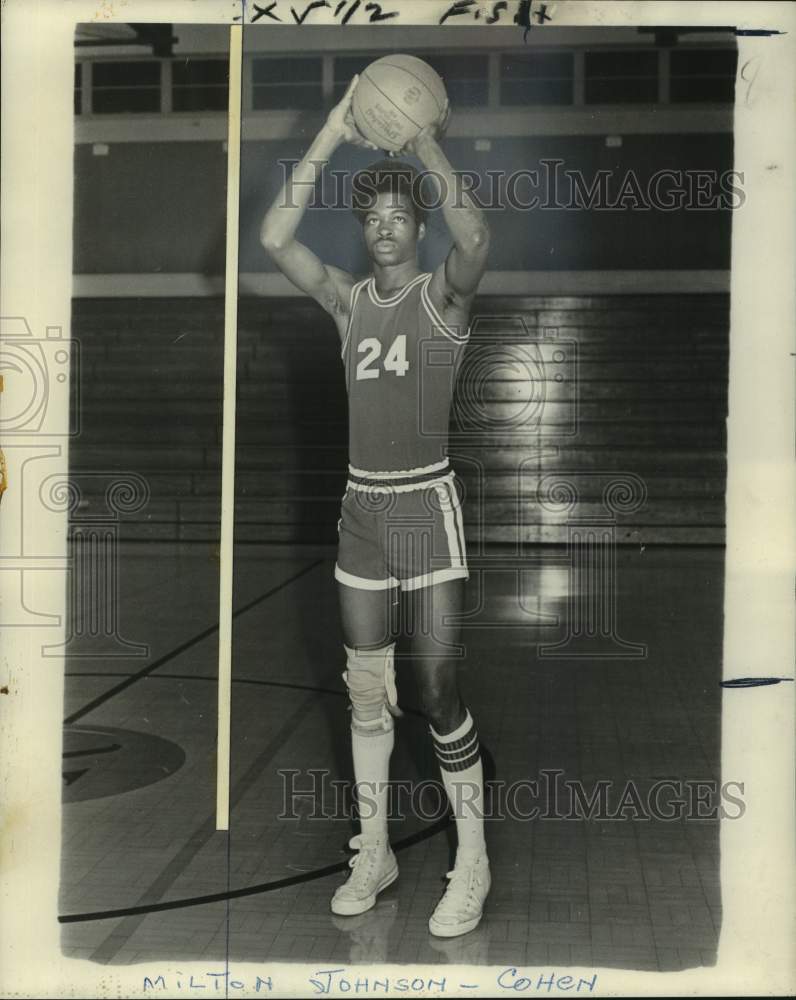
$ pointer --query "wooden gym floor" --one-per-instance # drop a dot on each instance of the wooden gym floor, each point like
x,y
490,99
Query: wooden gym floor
x,y
141,854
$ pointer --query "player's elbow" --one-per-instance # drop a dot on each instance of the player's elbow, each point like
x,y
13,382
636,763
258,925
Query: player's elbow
x,y
477,244
272,245
481,238
270,238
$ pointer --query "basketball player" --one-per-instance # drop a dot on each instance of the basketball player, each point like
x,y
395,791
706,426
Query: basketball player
x,y
401,539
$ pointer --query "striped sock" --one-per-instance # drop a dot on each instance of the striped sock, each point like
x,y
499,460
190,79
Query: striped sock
x,y
459,759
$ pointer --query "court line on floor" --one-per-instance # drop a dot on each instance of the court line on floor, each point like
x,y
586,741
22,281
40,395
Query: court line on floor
x,y
339,693
203,834
188,644
250,890
122,932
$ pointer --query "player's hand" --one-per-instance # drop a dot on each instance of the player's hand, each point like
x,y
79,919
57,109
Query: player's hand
x,y
341,120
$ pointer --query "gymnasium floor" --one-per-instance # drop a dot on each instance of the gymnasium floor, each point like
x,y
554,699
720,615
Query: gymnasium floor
x,y
139,788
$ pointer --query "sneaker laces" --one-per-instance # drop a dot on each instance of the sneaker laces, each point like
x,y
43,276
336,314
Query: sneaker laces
x,y
363,863
461,893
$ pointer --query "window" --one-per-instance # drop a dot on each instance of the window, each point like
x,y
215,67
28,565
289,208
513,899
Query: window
x,y
703,75
345,67
200,85
78,87
536,78
118,87
466,78
294,82
621,77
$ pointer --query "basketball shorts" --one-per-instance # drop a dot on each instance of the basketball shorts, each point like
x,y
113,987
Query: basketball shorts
x,y
401,530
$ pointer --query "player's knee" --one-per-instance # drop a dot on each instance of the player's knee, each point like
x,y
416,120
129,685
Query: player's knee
x,y
370,679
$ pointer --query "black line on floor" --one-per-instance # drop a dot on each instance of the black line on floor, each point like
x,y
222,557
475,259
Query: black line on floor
x,y
338,693
250,890
202,835
91,751
133,678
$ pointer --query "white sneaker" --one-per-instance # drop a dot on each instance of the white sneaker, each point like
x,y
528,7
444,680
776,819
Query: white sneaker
x,y
373,868
462,906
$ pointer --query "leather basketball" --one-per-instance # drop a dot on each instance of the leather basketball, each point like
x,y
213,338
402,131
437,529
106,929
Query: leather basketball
x,y
395,97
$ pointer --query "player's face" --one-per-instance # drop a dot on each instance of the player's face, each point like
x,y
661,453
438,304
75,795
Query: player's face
x,y
391,232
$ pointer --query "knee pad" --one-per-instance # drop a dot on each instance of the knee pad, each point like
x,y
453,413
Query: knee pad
x,y
370,679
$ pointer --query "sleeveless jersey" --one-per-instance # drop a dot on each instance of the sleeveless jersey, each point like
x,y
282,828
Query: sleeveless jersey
x,y
400,363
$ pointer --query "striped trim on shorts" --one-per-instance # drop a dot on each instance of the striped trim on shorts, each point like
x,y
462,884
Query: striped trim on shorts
x,y
363,559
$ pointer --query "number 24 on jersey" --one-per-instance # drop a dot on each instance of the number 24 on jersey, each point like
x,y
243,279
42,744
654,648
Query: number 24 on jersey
x,y
394,359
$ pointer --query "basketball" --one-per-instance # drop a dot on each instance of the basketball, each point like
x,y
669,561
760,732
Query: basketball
x,y
395,97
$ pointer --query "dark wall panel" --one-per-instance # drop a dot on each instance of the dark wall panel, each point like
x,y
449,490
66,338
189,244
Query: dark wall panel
x,y
149,207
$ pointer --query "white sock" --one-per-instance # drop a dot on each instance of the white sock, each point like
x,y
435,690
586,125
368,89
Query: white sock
x,y
371,753
459,757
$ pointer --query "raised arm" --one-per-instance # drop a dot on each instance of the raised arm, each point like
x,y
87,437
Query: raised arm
x,y
456,281
328,285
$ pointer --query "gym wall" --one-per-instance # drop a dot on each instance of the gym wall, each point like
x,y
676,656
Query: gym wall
x,y
161,208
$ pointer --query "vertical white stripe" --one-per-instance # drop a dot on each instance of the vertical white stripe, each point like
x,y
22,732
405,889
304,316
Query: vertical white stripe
x,y
450,526
457,513
228,433
353,296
